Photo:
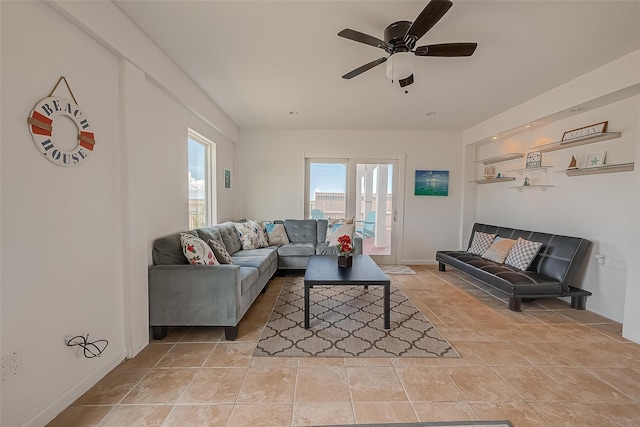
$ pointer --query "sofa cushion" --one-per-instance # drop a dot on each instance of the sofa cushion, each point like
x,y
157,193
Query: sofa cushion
x,y
209,233
323,225
481,242
230,237
499,250
196,250
325,249
270,253
522,253
301,230
167,250
297,249
276,234
248,277
221,253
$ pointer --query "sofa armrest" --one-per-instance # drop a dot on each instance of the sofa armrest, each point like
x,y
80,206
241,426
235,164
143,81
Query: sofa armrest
x,y
194,295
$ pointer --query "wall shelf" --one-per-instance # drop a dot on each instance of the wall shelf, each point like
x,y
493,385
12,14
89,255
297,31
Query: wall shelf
x,y
494,180
500,158
622,167
539,168
538,186
561,145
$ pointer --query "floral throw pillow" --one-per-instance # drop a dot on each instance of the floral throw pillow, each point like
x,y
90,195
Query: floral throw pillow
x,y
252,235
197,251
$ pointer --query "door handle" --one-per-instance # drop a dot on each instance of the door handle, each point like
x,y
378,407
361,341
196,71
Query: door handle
x,y
395,215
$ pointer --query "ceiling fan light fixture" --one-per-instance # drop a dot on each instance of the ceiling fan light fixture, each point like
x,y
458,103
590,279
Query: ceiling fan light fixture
x,y
400,65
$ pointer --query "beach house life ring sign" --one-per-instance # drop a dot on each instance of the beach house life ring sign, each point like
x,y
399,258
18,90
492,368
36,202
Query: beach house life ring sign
x,y
41,121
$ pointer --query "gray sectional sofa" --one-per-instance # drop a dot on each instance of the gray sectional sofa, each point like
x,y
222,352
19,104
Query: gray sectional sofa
x,y
306,237
181,294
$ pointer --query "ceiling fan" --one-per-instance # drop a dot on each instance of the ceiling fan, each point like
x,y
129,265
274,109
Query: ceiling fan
x,y
400,39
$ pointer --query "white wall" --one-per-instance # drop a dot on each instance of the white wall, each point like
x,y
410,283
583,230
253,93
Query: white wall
x,y
598,92
76,242
61,231
631,325
271,178
596,207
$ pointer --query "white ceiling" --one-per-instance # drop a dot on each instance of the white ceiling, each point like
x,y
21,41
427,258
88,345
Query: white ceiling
x,y
259,60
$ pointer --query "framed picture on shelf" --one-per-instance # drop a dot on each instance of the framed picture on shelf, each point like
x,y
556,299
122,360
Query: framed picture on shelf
x,y
489,172
595,160
585,131
534,160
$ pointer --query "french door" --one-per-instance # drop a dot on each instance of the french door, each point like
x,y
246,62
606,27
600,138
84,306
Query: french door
x,y
366,189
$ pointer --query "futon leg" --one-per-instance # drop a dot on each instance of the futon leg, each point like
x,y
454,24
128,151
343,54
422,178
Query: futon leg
x,y
231,333
579,302
265,288
514,303
159,332
441,267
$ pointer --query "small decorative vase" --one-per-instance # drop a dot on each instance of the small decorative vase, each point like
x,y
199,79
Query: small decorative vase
x,y
345,261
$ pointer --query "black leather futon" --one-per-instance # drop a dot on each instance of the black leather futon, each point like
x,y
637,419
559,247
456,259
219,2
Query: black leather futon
x,y
551,274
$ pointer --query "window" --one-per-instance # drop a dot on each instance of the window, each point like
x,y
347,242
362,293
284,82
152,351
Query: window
x,y
202,172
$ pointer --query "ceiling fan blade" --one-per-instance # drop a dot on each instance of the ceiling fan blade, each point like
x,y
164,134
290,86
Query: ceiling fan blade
x,y
363,38
407,81
429,17
364,68
447,49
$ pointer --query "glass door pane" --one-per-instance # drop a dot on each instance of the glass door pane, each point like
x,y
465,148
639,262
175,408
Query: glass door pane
x,y
327,189
375,209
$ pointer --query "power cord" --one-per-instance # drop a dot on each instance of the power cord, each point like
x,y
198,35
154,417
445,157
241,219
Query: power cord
x,y
91,348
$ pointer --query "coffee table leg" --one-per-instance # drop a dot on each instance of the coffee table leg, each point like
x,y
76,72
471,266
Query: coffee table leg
x,y
306,305
387,306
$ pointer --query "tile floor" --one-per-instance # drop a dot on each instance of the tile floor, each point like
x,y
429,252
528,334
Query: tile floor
x,y
548,365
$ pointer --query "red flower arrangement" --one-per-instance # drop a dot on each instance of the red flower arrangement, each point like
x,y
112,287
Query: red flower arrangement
x,y
345,248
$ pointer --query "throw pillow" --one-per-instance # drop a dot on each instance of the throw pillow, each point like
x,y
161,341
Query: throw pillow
x,y
522,254
251,235
276,234
196,250
481,242
262,232
221,253
499,250
248,236
338,221
338,230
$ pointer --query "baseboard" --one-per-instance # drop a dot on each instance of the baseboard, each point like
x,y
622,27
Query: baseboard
x,y
50,411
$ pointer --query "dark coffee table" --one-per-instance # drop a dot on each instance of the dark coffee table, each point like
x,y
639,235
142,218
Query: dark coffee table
x,y
323,270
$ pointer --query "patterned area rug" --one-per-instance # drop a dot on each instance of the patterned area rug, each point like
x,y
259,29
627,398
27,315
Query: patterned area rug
x,y
347,321
396,269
